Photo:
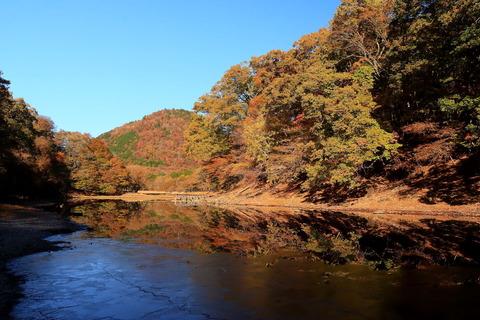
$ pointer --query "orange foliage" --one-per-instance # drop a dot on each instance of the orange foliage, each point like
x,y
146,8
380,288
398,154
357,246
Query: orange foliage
x,y
255,105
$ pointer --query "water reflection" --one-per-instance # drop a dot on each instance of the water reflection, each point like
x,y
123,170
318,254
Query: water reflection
x,y
114,271
334,237
110,279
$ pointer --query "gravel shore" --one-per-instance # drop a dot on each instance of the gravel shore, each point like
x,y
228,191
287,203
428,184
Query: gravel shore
x,y
23,228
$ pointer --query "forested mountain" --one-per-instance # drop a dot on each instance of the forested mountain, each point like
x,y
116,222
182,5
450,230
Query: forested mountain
x,y
153,148
391,91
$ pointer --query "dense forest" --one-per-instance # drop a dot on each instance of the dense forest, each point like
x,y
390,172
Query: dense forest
x,y
31,162
37,162
390,91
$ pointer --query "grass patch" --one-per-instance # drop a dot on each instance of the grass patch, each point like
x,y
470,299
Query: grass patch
x,y
105,135
177,217
152,214
148,163
153,176
124,145
178,174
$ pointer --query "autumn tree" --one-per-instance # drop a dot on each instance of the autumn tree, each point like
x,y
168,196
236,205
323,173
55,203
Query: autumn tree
x,y
257,139
214,130
16,124
275,79
49,157
204,139
30,160
346,134
359,31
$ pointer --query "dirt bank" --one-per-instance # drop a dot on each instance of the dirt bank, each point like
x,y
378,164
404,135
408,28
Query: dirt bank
x,y
392,204
22,230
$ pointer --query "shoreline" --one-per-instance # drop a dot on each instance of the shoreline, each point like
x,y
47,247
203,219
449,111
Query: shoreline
x,y
23,228
388,204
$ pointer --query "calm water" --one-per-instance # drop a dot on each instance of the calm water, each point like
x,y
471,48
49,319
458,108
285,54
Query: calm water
x,y
159,261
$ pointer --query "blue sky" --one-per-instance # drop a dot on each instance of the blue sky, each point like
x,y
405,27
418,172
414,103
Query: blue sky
x,y
93,65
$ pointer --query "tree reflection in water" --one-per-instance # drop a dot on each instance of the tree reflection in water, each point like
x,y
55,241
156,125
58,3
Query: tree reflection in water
x,y
334,237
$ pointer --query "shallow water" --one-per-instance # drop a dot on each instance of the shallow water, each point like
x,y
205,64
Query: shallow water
x,y
143,266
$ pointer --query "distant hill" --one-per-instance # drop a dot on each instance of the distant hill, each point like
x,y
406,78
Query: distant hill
x,y
153,147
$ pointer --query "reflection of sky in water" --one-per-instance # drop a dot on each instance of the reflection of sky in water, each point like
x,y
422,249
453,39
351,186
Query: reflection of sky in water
x,y
111,279
123,279
105,278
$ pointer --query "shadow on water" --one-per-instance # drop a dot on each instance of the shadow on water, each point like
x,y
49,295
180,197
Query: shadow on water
x,y
155,260
334,237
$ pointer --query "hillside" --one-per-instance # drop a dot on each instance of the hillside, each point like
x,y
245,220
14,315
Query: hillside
x,y
153,148
386,97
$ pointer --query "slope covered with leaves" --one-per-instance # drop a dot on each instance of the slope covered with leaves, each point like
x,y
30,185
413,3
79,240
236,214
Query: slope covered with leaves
x,y
153,148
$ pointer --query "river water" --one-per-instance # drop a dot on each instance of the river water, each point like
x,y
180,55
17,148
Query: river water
x,y
160,261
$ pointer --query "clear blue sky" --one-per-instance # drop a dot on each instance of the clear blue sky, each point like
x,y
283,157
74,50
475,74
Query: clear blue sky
x,y
93,65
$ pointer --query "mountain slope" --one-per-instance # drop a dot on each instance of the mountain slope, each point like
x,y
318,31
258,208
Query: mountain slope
x,y
153,147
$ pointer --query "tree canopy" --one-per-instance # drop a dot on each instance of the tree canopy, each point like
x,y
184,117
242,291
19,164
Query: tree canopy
x,y
93,167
